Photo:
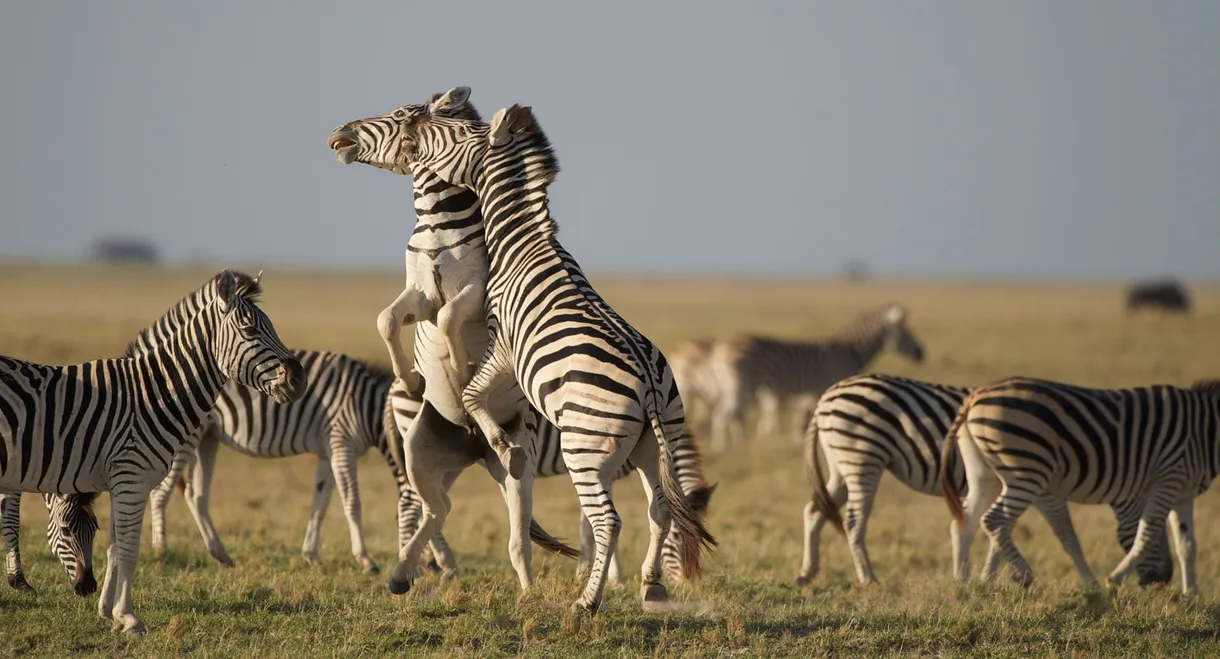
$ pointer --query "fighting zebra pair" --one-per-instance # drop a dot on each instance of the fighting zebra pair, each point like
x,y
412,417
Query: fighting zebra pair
x,y
580,365
722,376
114,425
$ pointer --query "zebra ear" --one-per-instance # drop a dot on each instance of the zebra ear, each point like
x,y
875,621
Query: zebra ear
x,y
451,99
515,119
226,288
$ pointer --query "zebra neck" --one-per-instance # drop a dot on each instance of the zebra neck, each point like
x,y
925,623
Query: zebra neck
x,y
865,344
179,380
516,238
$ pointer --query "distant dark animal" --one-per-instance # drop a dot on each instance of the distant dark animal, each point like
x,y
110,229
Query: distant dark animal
x,y
1163,295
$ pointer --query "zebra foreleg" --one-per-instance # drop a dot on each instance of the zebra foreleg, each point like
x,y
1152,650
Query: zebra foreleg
x,y
1157,566
494,368
10,528
410,307
1152,524
128,501
1057,514
324,485
1183,520
518,498
468,305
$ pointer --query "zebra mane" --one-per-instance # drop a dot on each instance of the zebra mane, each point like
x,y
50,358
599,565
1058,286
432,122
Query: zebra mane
x,y
867,324
534,149
1209,387
378,369
247,287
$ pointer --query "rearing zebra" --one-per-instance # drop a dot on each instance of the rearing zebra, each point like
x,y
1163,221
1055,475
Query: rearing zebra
x,y
870,424
781,372
579,363
114,425
1022,439
71,526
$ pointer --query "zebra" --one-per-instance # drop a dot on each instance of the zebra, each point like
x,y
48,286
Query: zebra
x,y
71,527
583,367
779,372
444,296
692,369
1022,438
339,416
869,424
113,425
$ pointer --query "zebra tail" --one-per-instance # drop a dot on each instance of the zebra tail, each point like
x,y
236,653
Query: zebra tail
x,y
948,463
821,497
550,543
393,443
688,524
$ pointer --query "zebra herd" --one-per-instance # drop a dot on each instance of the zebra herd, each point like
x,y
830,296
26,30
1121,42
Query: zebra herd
x,y
520,365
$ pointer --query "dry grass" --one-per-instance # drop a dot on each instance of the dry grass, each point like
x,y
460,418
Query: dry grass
x,y
274,604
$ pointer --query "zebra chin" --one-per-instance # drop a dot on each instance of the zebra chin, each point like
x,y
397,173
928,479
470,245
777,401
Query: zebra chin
x,y
289,383
84,584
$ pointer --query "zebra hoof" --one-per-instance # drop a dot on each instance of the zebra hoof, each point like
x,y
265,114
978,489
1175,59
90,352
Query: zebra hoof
x,y
654,592
581,608
86,585
802,579
369,567
18,582
401,579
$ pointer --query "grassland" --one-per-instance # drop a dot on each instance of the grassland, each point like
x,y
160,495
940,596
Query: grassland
x,y
274,604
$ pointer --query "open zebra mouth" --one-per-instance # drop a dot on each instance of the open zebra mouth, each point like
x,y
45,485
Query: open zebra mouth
x,y
345,147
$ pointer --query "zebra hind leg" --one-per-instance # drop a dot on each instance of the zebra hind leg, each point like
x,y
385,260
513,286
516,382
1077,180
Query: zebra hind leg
x,y
10,528
324,485
1183,520
1057,514
592,479
815,520
343,468
861,490
646,456
998,523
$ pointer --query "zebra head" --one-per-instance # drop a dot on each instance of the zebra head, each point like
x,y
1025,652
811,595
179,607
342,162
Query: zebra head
x,y
377,140
71,527
899,337
246,347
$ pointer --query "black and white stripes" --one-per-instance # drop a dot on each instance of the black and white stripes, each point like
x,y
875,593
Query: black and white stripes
x,y
115,424
1021,439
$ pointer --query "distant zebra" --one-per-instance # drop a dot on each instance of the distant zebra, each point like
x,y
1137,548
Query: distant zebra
x,y
869,424
794,373
71,527
340,415
1164,295
115,424
1021,439
579,363
691,364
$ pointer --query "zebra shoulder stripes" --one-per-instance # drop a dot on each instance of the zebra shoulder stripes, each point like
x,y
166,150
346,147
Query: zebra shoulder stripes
x,y
869,424
340,415
446,259
581,365
114,424
1023,438
71,526
778,372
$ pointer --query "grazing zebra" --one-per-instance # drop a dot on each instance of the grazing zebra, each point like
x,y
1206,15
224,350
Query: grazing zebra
x,y
869,424
446,264
114,425
1164,295
340,415
779,372
71,526
1021,439
693,371
589,372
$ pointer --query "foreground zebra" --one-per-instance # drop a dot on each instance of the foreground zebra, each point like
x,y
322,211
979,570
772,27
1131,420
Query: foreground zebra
x,y
114,425
601,382
1021,439
869,424
791,373
446,267
71,526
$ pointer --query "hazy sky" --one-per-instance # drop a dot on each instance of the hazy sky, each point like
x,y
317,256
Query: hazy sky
x,y
1040,137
